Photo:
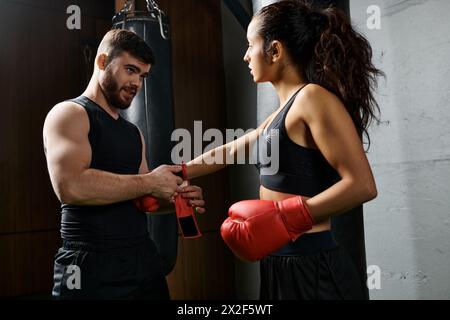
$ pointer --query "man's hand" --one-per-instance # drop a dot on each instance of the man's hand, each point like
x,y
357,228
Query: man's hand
x,y
194,194
163,183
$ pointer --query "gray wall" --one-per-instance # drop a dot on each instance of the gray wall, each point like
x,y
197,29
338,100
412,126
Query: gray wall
x,y
241,111
408,225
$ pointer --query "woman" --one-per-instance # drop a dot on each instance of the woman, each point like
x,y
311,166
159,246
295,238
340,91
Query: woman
x,y
322,72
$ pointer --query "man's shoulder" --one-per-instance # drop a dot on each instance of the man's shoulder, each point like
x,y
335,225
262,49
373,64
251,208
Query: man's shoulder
x,y
68,107
66,112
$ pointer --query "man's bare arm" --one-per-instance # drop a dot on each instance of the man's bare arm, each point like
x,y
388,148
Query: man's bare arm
x,y
68,155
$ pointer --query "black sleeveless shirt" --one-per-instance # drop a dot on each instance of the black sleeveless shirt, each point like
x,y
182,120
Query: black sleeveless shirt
x,y
116,147
301,171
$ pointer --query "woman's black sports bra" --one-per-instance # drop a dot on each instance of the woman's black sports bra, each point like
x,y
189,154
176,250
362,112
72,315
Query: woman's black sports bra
x,y
303,171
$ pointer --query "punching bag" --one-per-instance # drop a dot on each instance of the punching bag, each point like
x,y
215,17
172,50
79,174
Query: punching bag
x,y
347,228
152,112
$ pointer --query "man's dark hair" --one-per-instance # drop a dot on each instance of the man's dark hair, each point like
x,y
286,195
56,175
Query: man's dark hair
x,y
117,41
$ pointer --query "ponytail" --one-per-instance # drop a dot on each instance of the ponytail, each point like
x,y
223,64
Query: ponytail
x,y
342,63
328,52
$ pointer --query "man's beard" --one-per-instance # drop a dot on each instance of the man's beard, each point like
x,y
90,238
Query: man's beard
x,y
111,91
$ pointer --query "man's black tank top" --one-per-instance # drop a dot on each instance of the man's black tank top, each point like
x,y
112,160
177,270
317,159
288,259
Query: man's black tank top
x,y
116,147
302,171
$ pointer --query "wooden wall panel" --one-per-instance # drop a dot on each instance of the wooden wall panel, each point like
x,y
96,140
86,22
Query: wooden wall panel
x,y
199,87
42,63
205,266
27,262
204,269
32,79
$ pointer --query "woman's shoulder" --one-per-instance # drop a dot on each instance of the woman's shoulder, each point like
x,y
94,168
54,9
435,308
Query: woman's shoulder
x,y
315,100
316,92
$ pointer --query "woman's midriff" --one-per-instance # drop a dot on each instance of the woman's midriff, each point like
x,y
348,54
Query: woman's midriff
x,y
267,194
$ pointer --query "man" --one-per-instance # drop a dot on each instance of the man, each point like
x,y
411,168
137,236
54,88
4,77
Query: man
x,y
97,166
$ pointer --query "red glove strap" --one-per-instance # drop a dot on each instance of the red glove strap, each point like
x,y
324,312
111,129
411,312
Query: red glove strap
x,y
183,170
296,216
185,213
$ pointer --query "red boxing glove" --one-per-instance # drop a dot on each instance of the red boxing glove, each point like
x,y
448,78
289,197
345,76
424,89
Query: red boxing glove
x,y
256,228
146,204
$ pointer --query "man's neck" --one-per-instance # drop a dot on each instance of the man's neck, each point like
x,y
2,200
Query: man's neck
x,y
95,93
